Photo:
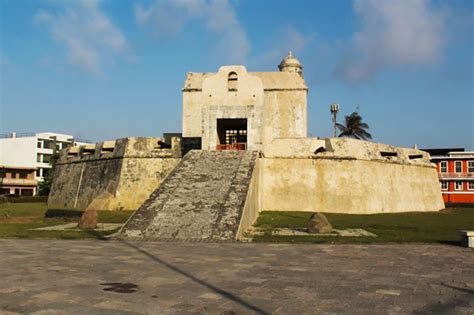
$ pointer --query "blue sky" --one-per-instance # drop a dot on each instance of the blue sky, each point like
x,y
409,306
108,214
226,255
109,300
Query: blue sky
x,y
108,69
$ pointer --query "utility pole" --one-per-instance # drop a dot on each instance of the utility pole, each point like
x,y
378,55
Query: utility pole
x,y
334,110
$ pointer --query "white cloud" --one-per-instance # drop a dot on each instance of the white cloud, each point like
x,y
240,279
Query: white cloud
x,y
89,36
167,18
233,42
287,39
393,34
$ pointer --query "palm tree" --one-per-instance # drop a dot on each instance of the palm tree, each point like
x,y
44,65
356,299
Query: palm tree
x,y
354,127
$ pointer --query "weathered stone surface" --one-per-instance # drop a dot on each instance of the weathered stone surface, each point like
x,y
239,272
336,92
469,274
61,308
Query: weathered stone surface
x,y
111,175
202,199
274,104
88,220
318,223
351,176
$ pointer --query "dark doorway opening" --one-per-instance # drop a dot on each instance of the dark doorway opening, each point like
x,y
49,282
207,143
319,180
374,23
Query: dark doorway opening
x,y
232,134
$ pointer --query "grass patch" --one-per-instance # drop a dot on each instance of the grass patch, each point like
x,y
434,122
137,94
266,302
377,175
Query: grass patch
x,y
422,227
17,220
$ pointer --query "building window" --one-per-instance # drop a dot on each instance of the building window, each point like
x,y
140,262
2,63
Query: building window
x,y
443,166
232,82
458,166
470,185
46,158
47,144
38,158
470,166
444,185
458,185
39,144
38,173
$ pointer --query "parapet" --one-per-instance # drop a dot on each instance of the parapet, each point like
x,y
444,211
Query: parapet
x,y
131,147
345,148
271,81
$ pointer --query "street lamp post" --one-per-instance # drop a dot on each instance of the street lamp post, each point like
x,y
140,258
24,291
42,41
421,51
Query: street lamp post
x,y
334,110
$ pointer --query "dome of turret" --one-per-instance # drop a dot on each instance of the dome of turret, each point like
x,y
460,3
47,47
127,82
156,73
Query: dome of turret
x,y
291,64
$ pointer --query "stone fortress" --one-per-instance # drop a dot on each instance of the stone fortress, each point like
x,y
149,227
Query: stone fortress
x,y
244,149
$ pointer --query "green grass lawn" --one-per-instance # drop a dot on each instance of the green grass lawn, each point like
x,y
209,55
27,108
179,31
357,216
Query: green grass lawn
x,y
16,220
432,227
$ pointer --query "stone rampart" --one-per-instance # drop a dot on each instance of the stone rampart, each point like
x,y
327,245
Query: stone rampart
x,y
111,175
347,176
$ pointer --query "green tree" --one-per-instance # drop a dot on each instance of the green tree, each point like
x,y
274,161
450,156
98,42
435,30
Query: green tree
x,y
353,127
44,186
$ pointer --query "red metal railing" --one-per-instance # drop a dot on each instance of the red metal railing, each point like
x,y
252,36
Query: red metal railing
x,y
233,146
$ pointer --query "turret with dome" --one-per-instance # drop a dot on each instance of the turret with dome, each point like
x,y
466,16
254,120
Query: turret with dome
x,y
291,64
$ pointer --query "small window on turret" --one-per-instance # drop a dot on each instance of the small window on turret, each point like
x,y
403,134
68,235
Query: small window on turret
x,y
232,82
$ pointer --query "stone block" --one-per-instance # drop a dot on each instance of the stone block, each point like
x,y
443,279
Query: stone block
x,y
88,220
467,238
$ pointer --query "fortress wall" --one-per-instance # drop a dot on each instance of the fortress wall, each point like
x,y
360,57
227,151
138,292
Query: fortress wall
x,y
139,177
284,114
111,175
192,113
350,177
85,181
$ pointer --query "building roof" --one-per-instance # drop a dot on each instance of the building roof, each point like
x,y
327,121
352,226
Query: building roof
x,y
42,135
281,80
442,151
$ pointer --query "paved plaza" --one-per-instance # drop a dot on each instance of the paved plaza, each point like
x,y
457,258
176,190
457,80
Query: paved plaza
x,y
118,277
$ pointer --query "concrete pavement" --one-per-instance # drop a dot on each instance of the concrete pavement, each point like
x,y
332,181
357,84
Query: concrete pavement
x,y
119,277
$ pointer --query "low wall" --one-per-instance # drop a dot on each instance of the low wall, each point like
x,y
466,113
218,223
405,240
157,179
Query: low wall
x,y
112,175
348,176
253,202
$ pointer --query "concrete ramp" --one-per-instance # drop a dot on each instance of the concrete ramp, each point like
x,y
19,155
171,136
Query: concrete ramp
x,y
202,199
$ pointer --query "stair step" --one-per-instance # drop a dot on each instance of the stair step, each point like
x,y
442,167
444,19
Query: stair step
x,y
201,199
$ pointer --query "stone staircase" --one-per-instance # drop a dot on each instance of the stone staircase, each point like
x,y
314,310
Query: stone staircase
x,y
201,200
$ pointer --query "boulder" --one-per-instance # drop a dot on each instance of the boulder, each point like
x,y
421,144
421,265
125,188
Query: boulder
x,y
88,220
318,223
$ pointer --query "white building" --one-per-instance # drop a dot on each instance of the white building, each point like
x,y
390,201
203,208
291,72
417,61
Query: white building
x,y
33,150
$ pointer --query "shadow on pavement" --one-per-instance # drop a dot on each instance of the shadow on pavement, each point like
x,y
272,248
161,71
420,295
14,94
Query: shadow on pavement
x,y
457,305
217,290
451,243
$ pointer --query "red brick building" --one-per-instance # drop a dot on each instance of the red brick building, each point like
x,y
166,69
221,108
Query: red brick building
x,y
456,174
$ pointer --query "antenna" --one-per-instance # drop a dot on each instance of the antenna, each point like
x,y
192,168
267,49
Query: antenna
x,y
334,109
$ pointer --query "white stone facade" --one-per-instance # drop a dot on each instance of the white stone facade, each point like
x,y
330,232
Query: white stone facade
x,y
271,104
